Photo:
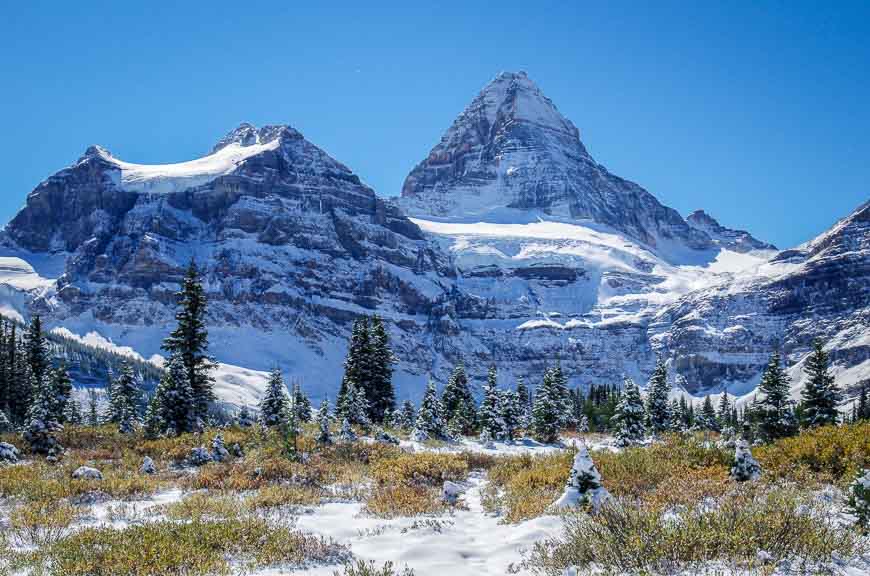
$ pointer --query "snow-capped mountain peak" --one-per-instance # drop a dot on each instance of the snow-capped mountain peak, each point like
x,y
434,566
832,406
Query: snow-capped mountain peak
x,y
511,149
249,135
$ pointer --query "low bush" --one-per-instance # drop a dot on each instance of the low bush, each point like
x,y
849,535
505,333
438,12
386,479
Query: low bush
x,y
187,548
392,501
624,539
41,523
361,568
423,468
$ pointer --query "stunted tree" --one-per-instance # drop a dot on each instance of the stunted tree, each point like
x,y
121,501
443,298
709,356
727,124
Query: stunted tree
x,y
189,341
629,417
820,395
775,409
488,415
458,402
657,409
171,409
429,422
127,399
275,404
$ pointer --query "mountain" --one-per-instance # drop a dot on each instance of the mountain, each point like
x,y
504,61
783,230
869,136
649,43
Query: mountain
x,y
736,240
519,250
293,244
722,336
511,148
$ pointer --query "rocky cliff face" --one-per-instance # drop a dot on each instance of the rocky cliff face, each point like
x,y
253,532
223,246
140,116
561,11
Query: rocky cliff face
x,y
511,148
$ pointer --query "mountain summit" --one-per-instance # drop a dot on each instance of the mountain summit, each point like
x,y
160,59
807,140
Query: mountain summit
x,y
511,148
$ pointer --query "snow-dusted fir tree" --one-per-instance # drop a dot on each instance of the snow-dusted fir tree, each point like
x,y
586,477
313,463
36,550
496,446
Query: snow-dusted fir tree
x,y
324,435
72,413
524,397
548,413
488,416
859,499
566,404
127,399
406,416
245,419
301,403
509,412
657,409
583,424
381,396
820,396
357,363
706,420
5,423
745,466
189,341
356,405
346,434
584,484
723,411
677,421
171,410
458,402
862,406
60,384
775,409
629,417
429,422
42,429
275,404
37,354
93,408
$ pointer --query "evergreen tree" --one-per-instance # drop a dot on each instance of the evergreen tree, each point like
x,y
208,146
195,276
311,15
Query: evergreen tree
x,y
301,404
548,413
245,419
488,415
93,416
775,410
72,413
37,350
324,436
127,398
863,410
42,429
677,418
458,402
629,417
524,398
275,404
820,394
657,411
356,364
382,397
171,410
189,341
707,420
356,409
566,404
430,421
723,414
407,416
61,391
509,405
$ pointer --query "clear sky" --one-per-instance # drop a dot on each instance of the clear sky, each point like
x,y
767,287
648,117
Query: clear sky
x,y
757,112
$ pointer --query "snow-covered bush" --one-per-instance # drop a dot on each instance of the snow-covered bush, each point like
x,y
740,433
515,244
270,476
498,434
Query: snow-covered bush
x,y
385,437
8,453
5,424
219,453
745,466
584,484
859,499
347,434
198,456
87,473
147,466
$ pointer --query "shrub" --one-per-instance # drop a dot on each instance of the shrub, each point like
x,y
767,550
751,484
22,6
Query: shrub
x,y
42,523
426,468
826,454
624,539
189,548
396,500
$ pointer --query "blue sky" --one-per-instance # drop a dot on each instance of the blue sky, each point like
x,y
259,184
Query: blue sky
x,y
756,112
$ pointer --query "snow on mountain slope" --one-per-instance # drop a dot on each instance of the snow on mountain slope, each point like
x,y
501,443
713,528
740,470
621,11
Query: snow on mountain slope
x,y
165,178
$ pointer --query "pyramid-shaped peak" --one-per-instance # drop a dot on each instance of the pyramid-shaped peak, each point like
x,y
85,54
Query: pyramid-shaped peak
x,y
246,134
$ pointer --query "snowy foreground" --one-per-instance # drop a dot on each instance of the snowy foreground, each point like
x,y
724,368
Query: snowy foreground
x,y
466,541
